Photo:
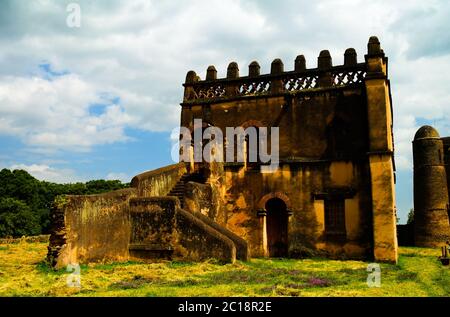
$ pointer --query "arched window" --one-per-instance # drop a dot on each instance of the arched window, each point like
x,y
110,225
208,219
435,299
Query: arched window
x,y
252,147
198,143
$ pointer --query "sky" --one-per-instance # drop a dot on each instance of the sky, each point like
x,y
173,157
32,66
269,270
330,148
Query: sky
x,y
101,100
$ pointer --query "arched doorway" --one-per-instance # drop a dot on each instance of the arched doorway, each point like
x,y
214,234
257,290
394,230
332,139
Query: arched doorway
x,y
277,227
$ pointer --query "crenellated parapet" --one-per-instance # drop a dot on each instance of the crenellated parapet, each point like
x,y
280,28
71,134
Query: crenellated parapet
x,y
279,81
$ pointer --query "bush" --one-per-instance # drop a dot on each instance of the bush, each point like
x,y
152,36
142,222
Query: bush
x,y
17,219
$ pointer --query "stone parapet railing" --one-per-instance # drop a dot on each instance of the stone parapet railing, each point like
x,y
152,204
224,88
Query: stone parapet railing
x,y
279,81
325,76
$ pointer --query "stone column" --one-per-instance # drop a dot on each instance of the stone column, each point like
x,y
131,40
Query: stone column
x,y
191,78
276,68
262,215
231,89
380,156
325,63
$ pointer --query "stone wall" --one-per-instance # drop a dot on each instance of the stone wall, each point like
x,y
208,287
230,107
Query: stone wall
x,y
201,241
315,156
153,225
242,247
204,202
158,182
160,227
199,198
117,226
301,187
92,228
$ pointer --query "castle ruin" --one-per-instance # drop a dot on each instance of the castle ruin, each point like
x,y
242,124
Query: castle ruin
x,y
332,194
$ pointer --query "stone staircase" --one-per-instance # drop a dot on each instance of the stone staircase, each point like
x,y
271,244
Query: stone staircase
x,y
241,246
178,189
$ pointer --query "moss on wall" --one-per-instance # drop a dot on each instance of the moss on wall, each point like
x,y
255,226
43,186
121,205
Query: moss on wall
x,y
158,182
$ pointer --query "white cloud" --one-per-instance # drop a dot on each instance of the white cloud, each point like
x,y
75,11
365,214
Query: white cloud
x,y
141,50
47,173
123,177
55,114
135,50
420,94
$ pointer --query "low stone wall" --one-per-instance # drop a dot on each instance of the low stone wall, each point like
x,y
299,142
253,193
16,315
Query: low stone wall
x,y
91,228
202,241
161,228
158,182
153,223
242,248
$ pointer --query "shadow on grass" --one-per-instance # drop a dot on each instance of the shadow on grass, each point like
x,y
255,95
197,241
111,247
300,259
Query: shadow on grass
x,y
45,268
133,283
179,264
111,266
407,276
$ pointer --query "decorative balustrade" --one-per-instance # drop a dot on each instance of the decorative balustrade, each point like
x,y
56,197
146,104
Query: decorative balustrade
x,y
254,87
209,91
262,85
325,76
348,77
296,83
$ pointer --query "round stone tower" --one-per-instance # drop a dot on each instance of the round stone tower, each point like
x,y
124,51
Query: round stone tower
x,y
431,222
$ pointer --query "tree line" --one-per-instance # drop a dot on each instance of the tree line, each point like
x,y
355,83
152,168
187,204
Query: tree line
x,y
25,202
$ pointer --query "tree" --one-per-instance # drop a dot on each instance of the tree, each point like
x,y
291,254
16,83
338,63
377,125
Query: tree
x,y
410,216
17,219
32,200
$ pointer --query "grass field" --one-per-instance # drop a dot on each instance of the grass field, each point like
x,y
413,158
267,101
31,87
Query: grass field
x,y
23,272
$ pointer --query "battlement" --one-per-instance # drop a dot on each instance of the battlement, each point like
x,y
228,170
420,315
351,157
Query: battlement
x,y
279,81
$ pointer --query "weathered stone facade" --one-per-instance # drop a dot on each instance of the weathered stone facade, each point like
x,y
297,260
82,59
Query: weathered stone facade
x,y
333,193
335,145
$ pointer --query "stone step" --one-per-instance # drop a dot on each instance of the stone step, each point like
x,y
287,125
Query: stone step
x,y
179,188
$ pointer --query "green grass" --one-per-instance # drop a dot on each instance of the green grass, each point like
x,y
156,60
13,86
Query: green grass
x,y
23,272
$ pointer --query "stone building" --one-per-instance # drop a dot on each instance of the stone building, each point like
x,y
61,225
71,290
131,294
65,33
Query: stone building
x,y
431,188
332,194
